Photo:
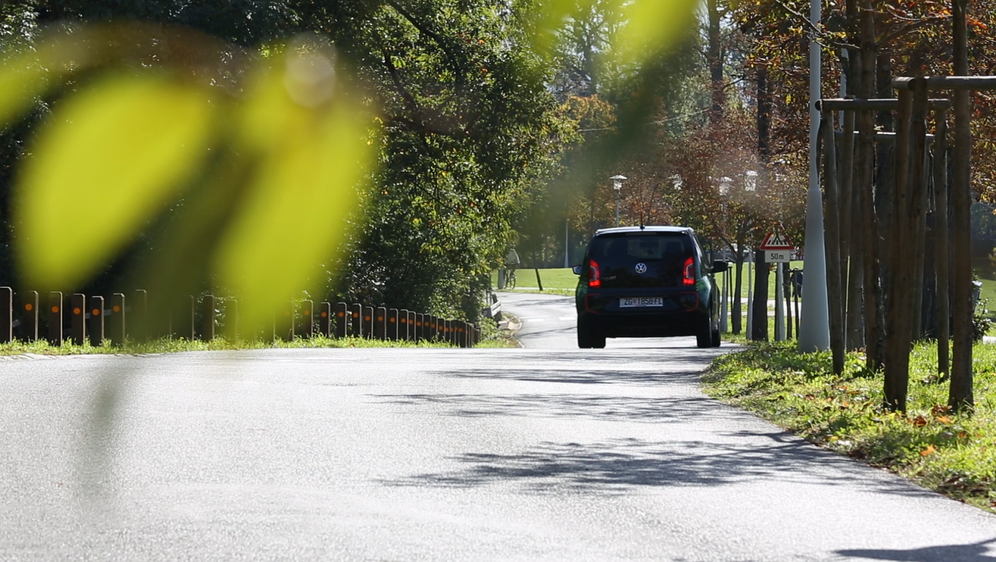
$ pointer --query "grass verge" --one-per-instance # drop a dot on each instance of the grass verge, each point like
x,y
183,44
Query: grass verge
x,y
951,454
556,281
492,337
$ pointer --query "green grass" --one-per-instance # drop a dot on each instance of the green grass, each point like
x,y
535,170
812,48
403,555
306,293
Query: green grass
x,y
491,338
556,281
952,454
984,272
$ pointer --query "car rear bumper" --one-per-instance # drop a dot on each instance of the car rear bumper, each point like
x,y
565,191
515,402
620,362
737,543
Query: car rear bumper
x,y
681,314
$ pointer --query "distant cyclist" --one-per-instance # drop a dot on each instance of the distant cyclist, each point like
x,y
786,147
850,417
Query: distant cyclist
x,y
511,263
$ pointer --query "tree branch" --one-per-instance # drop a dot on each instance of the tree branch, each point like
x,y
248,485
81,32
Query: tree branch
x,y
910,27
815,29
437,39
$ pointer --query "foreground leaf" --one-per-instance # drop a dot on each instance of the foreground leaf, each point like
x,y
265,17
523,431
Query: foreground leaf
x,y
295,214
103,165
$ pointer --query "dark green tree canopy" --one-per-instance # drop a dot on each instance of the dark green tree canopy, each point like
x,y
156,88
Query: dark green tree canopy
x,y
465,126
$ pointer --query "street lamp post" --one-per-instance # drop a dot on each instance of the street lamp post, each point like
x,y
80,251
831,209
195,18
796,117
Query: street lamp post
x,y
725,184
814,322
617,182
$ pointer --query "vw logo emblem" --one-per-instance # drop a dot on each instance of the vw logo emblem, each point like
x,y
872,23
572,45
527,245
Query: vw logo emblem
x,y
641,268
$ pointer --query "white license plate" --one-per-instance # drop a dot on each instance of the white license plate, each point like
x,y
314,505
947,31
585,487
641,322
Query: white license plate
x,y
633,302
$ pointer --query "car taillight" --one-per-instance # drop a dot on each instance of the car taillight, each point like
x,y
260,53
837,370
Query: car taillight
x,y
689,272
595,275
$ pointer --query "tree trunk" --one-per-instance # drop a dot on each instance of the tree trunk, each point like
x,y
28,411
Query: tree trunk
x,y
759,313
850,258
763,114
855,337
911,130
864,199
960,395
715,56
919,175
832,244
942,239
884,188
787,292
735,307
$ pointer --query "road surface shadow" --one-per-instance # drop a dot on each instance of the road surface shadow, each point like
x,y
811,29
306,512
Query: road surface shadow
x,y
974,552
597,368
618,466
664,409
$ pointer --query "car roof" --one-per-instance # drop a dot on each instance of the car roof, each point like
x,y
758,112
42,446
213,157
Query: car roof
x,y
631,229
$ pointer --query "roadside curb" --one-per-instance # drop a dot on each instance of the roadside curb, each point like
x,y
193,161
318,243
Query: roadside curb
x,y
26,357
510,325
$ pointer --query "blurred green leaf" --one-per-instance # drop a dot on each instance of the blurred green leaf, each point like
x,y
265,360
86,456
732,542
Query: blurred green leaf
x,y
649,26
109,158
652,26
295,212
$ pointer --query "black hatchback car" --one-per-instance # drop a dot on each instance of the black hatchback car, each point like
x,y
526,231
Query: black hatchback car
x,y
648,281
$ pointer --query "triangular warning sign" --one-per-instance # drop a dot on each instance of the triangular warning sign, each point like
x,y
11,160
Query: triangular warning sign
x,y
776,242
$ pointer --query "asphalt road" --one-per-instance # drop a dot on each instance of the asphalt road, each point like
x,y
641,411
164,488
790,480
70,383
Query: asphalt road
x,y
419,454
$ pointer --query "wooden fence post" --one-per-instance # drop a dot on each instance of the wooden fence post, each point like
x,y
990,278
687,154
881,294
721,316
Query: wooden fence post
x,y
290,317
96,321
356,320
139,324
6,314
117,319
77,323
419,327
392,324
192,319
433,334
232,318
368,326
341,319
29,309
208,317
55,318
380,323
325,319
308,319
403,324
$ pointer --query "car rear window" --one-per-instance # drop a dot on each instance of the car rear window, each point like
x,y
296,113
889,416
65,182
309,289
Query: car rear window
x,y
662,255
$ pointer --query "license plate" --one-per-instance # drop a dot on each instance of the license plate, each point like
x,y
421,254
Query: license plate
x,y
634,302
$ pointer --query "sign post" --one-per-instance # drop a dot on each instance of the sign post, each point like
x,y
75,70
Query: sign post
x,y
778,250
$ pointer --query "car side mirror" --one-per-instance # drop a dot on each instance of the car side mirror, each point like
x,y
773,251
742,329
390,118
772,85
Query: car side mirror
x,y
576,269
720,266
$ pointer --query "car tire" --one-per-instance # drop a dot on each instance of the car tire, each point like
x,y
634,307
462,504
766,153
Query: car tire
x,y
598,341
703,338
717,340
588,338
